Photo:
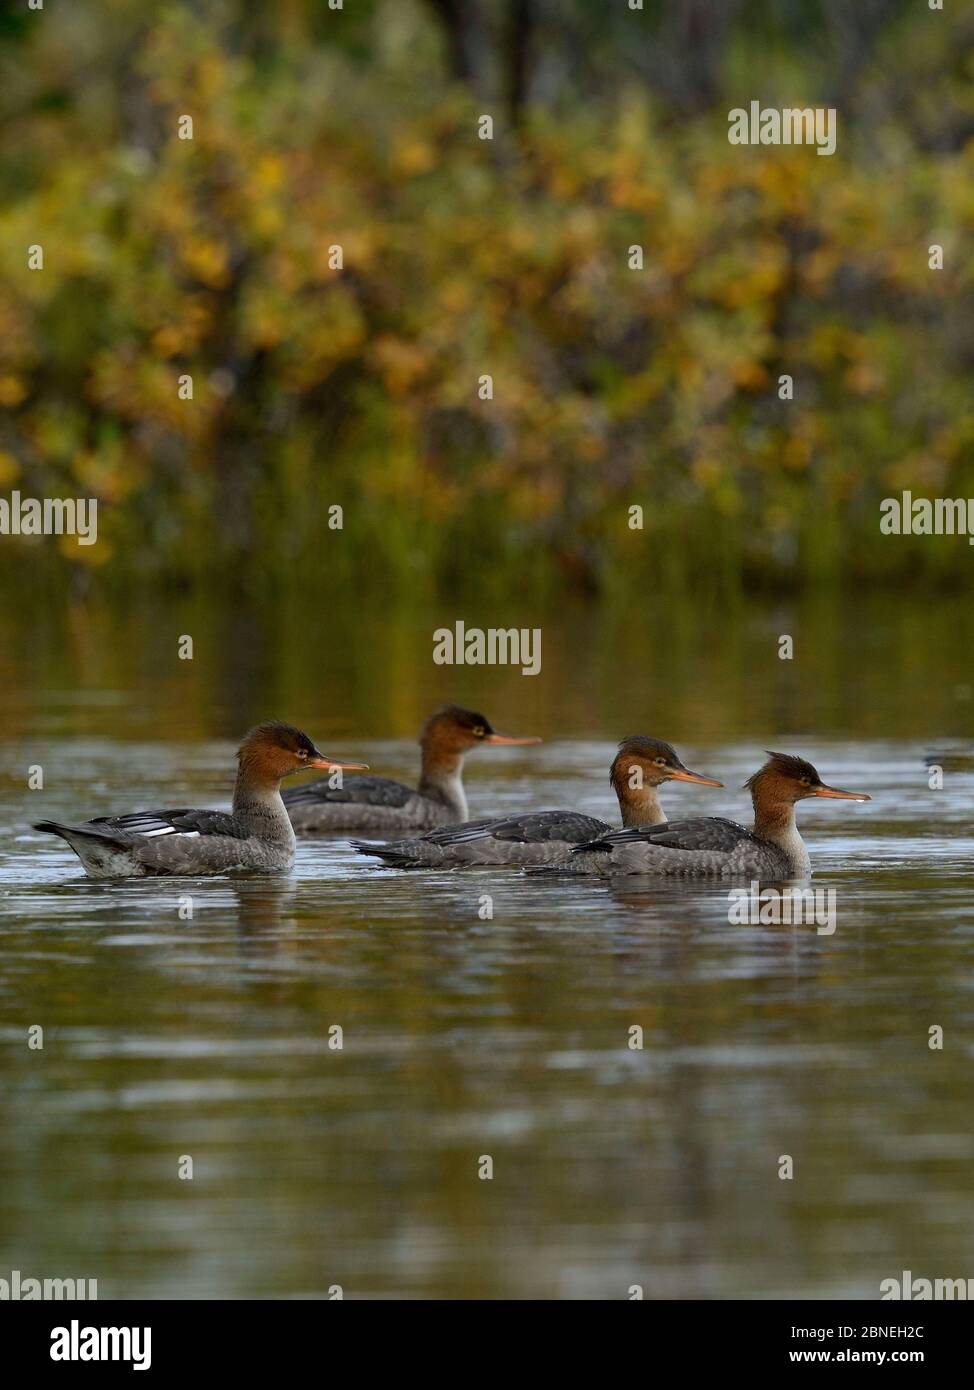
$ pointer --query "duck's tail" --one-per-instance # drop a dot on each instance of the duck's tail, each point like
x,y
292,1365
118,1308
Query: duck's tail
x,y
396,852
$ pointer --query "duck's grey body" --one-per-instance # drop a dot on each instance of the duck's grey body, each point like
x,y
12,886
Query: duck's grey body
x,y
376,804
256,836
709,847
543,838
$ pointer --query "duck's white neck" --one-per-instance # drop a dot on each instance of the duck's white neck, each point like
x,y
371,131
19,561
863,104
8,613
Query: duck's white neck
x,y
640,806
441,779
259,807
777,825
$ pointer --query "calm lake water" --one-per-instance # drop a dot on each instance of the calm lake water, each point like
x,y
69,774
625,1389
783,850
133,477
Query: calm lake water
x,y
315,1167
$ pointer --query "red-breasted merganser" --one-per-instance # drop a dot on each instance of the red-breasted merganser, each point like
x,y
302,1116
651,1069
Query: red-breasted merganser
x,y
717,847
546,837
255,835
388,807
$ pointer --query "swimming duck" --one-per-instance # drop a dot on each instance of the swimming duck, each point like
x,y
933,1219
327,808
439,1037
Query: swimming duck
x,y
712,846
255,835
389,807
546,837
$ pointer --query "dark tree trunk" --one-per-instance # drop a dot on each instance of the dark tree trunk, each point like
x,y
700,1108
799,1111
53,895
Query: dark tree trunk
x,y
466,47
520,31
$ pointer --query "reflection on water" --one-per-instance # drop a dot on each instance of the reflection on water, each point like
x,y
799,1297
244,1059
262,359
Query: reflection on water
x,y
168,1035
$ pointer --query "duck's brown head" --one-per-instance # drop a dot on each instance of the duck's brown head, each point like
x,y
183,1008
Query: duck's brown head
x,y
275,750
785,779
453,731
649,762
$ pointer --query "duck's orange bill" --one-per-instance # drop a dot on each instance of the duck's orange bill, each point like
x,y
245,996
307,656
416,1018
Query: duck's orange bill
x,y
326,762
841,796
508,738
684,776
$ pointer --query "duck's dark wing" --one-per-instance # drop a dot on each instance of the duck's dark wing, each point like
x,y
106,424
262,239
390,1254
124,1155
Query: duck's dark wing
x,y
538,827
153,824
363,791
702,833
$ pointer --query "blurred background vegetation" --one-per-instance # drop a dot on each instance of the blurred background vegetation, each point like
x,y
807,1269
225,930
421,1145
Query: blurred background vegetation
x,y
358,387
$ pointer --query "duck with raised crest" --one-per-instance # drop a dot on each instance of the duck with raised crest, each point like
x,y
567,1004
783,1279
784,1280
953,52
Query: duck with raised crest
x,y
546,837
714,847
388,807
255,835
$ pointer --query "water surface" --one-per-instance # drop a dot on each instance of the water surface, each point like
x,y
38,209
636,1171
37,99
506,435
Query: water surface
x,y
507,1037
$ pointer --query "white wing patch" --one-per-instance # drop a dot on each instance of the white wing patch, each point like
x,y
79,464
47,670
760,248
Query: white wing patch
x,y
169,830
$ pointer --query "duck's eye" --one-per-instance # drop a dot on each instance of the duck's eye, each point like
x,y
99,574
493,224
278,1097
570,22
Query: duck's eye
x,y
806,782
479,730
660,762
302,752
